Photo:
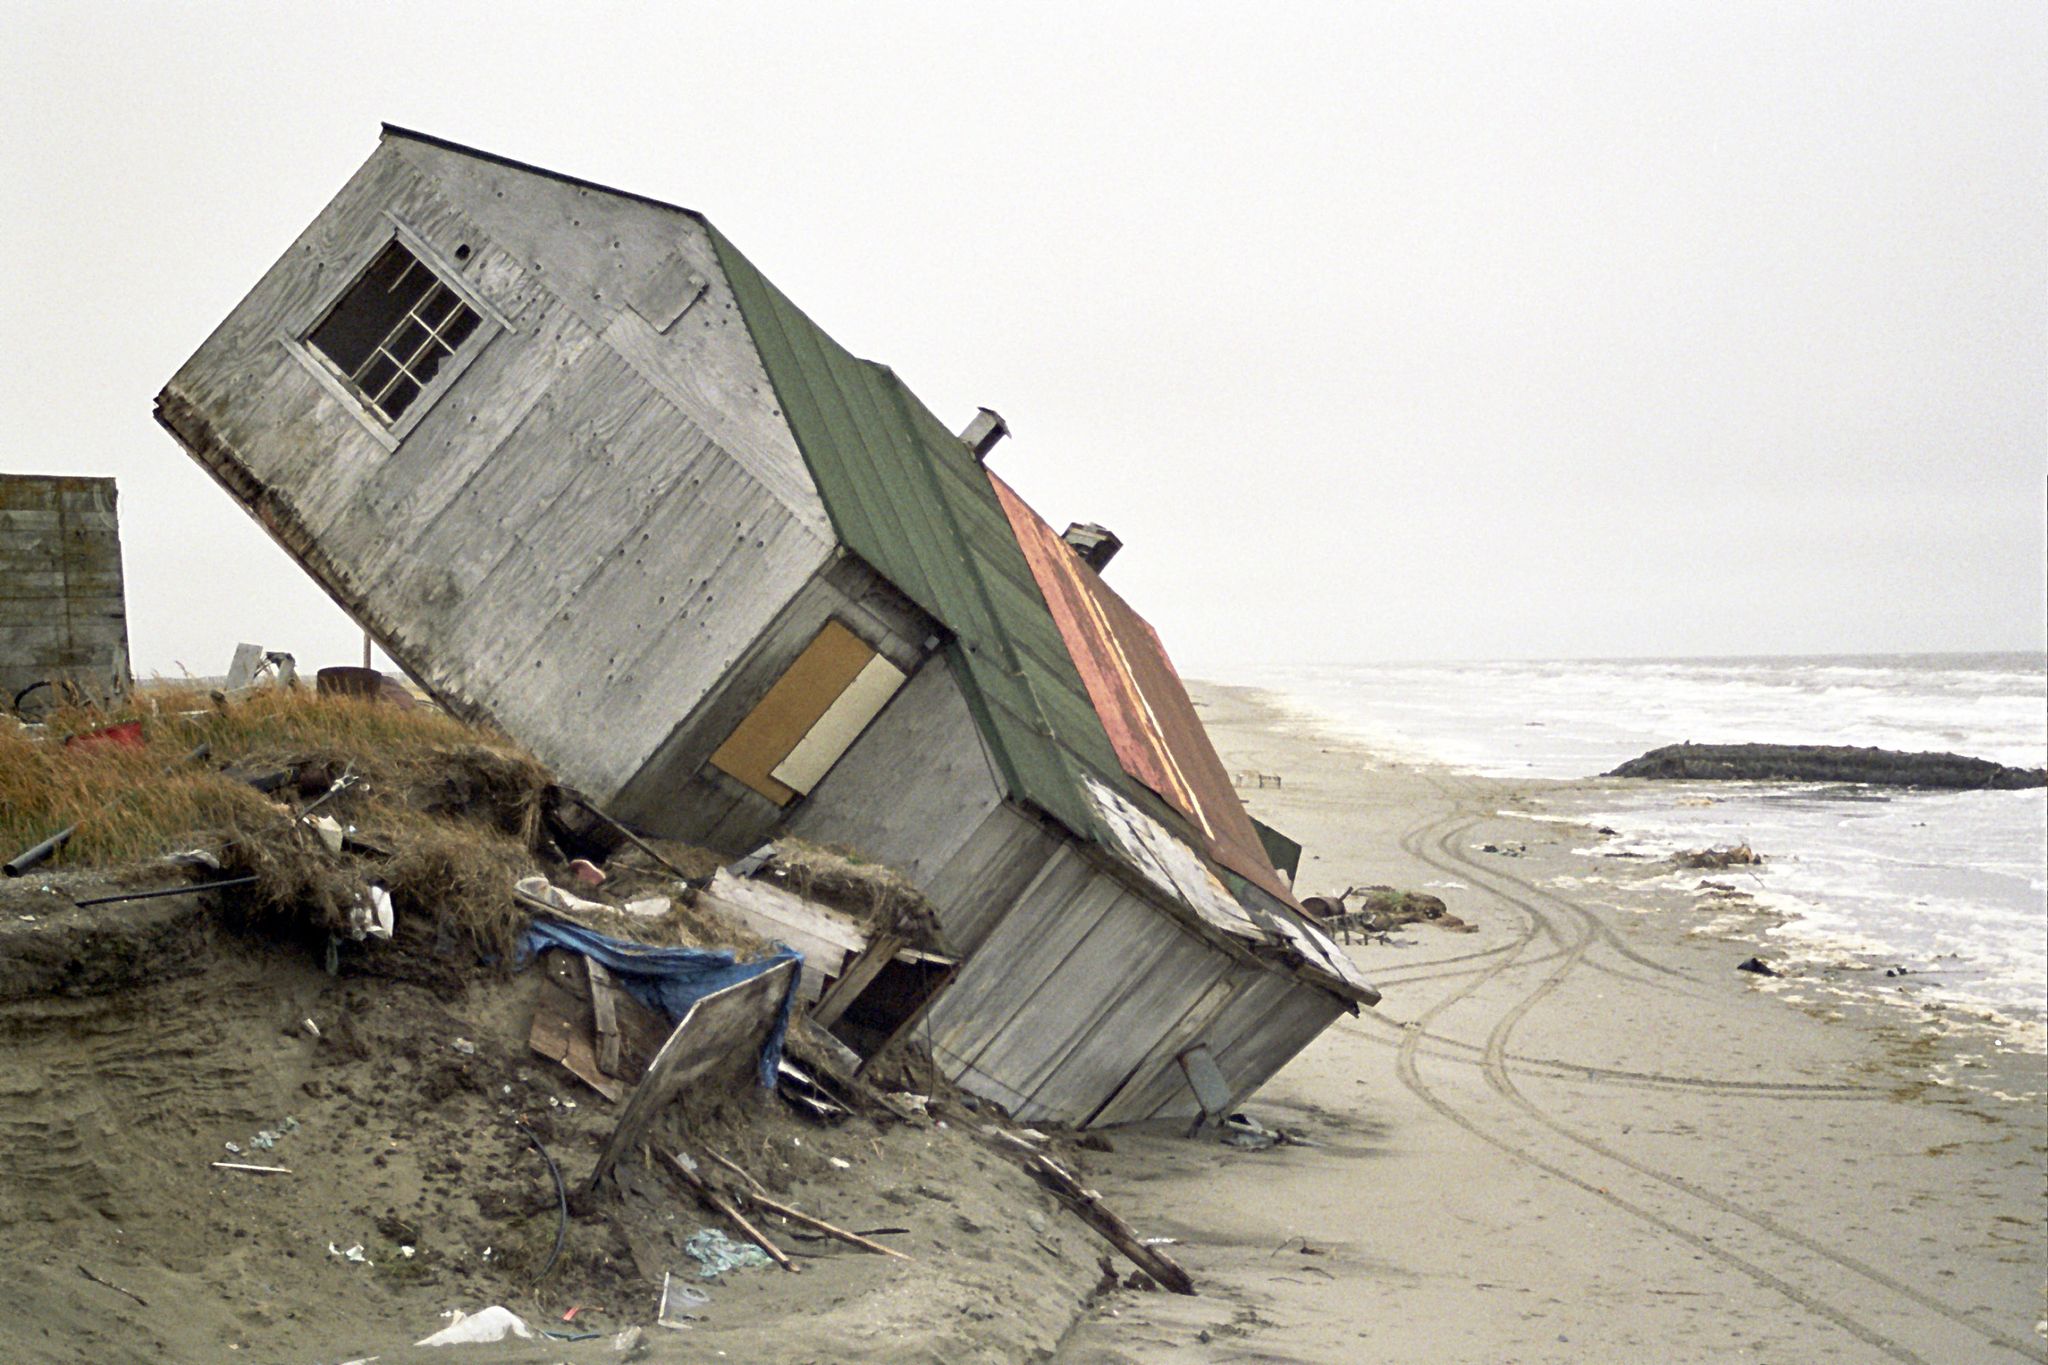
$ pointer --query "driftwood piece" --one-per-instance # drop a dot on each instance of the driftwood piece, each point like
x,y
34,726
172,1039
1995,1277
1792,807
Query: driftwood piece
x,y
860,973
752,1184
1121,1235
720,1034
731,1214
818,1224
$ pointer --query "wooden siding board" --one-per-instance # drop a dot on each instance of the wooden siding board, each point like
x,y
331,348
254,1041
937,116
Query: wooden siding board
x,y
62,611
1021,952
977,886
841,590
1274,1035
1158,1074
599,250
1135,1007
913,788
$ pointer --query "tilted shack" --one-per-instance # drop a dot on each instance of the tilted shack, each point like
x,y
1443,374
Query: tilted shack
x,y
585,473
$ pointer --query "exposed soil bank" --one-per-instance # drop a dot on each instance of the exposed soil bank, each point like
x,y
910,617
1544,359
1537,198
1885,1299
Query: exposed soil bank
x,y
137,1041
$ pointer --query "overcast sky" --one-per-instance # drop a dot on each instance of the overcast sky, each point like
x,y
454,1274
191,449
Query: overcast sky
x,y
1377,332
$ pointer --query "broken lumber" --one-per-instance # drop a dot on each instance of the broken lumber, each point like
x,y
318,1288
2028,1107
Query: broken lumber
x,y
731,1214
860,973
1089,1206
605,1015
795,1215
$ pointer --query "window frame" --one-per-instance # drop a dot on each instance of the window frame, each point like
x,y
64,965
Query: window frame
x,y
491,322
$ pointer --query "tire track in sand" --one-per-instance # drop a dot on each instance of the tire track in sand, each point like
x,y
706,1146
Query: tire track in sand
x,y
1495,1065
1410,1077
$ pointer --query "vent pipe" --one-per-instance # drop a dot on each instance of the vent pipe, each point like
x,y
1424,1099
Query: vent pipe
x,y
1096,545
984,431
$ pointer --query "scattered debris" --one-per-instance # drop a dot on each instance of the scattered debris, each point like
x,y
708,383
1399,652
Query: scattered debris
x,y
371,916
491,1324
717,1201
243,1166
717,1253
115,1287
675,1293
1735,855
1757,965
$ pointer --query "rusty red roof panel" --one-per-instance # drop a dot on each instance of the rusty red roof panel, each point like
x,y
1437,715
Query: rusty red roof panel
x,y
1158,738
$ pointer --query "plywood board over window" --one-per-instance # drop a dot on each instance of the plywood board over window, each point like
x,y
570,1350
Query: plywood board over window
x,y
810,717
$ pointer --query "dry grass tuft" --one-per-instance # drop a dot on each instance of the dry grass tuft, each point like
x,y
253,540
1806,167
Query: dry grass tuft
x,y
882,900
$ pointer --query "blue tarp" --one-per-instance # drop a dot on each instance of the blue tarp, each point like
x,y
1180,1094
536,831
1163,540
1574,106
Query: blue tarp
x,y
671,979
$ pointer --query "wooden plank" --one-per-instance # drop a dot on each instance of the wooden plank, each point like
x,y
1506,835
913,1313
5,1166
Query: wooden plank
x,y
732,1215
1212,1092
985,877
860,974
804,692
1149,1082
604,1015
835,731
557,1035
1085,1202
719,1036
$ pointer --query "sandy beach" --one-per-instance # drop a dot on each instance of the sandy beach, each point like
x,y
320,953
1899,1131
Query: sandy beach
x,y
1579,1133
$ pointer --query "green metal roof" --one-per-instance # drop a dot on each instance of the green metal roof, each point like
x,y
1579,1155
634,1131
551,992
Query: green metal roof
x,y
1283,852
907,496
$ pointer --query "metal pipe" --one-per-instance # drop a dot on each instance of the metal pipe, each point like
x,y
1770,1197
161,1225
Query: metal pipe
x,y
192,889
42,852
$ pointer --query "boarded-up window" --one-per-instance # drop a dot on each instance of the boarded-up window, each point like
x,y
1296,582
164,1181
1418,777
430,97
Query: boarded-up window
x,y
812,715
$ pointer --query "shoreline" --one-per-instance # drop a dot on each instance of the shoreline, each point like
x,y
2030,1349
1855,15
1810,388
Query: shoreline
x,y
1579,1133
1850,973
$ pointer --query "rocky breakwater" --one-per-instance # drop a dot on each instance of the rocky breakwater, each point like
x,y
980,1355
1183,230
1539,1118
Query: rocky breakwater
x,y
1826,763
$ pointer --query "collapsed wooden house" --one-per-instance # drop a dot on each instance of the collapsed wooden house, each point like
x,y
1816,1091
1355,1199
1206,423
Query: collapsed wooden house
x,y
585,473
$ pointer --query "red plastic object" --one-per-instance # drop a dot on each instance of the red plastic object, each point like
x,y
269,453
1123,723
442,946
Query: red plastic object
x,y
126,735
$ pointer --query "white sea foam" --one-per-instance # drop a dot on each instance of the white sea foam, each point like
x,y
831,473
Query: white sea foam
x,y
1951,885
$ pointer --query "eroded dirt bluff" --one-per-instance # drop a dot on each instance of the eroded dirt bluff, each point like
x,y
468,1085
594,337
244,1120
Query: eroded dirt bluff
x,y
138,1041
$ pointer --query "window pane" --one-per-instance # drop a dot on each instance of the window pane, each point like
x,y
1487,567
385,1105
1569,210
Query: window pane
x,y
400,398
428,362
405,343
436,305
366,313
376,376
459,327
393,329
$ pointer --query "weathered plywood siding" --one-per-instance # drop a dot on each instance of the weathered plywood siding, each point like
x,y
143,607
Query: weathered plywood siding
x,y
678,794
1274,1017
63,616
1069,994
919,793
599,518
914,788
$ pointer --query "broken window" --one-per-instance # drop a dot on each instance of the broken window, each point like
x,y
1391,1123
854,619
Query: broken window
x,y
391,332
812,715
